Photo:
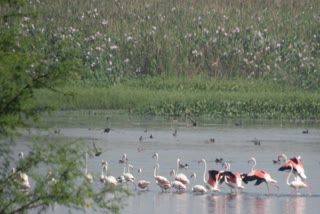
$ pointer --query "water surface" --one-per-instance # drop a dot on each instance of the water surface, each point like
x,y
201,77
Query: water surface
x,y
232,142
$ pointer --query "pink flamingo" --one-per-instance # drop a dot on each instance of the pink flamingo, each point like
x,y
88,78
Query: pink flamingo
x,y
297,183
143,184
180,176
259,176
214,178
161,181
296,164
233,180
157,177
178,185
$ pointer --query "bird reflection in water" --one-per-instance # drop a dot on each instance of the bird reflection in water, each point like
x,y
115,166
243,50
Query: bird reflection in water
x,y
225,203
296,205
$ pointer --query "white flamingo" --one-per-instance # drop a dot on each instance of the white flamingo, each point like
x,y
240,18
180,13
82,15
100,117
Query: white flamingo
x,y
87,175
178,185
127,175
180,176
143,184
23,178
297,183
107,178
214,187
197,188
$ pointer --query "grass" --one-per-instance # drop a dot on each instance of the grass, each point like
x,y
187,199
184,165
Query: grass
x,y
256,59
266,40
197,96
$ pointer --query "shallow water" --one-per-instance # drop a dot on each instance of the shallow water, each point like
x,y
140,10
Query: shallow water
x,y
233,143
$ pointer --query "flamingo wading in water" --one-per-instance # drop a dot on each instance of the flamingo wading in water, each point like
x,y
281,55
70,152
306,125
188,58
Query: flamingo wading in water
x,y
197,188
297,183
180,176
259,176
233,180
214,178
87,175
296,165
143,184
178,185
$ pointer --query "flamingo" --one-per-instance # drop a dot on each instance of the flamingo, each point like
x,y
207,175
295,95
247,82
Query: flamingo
x,y
127,175
296,164
178,185
124,158
157,177
87,175
233,180
142,184
198,189
161,181
109,178
297,183
259,175
23,178
214,178
180,176
51,179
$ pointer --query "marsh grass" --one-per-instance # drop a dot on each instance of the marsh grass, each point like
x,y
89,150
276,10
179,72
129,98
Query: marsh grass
x,y
197,96
250,58
267,40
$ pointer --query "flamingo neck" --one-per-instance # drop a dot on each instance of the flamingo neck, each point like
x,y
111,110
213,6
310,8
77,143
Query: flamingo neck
x,y
86,169
254,164
178,165
158,169
194,179
155,171
204,172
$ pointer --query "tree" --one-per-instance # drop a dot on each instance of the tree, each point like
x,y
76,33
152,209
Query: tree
x,y
29,60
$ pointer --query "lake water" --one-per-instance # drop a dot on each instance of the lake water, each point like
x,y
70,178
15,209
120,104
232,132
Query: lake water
x,y
232,142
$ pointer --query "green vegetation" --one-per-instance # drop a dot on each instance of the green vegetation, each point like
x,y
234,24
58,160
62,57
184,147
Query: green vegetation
x,y
52,170
266,40
198,96
160,57
255,59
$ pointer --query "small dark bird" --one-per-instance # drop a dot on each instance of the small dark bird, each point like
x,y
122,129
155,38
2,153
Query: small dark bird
x,y
183,166
175,133
98,152
140,138
211,140
256,142
150,136
238,123
305,131
219,160
57,131
194,123
106,130
276,161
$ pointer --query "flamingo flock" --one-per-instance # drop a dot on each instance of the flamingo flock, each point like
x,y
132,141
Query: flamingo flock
x,y
212,179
